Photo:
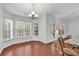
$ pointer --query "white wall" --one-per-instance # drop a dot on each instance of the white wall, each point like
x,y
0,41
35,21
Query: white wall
x,y
42,28
73,28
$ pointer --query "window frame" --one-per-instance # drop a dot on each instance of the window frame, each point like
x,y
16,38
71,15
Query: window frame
x,y
11,30
24,36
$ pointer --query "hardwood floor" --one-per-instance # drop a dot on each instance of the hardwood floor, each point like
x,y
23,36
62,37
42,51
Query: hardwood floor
x,y
35,48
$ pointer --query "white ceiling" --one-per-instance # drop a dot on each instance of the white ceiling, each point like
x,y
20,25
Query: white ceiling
x,y
63,10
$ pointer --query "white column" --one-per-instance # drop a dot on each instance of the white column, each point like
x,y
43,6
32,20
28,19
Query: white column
x,y
42,27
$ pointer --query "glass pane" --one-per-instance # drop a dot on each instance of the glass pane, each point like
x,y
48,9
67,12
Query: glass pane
x,y
36,29
22,29
8,29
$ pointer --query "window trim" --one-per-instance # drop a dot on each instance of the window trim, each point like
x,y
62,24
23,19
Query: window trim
x,y
24,36
11,21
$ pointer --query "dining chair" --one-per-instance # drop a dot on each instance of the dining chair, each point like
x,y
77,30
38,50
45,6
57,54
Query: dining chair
x,y
65,50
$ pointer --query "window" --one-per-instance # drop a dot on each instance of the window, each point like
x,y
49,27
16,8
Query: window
x,y
8,29
36,29
23,29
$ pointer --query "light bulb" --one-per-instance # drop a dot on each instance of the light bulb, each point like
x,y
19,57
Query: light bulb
x,y
56,32
33,12
36,15
30,15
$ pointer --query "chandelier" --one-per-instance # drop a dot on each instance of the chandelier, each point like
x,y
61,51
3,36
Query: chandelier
x,y
33,14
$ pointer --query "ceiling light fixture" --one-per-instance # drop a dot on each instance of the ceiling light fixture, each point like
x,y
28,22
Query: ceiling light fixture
x,y
33,14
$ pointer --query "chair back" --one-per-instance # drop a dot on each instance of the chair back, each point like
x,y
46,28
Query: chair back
x,y
61,42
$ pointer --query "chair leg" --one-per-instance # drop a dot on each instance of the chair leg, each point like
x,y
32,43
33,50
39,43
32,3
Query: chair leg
x,y
63,54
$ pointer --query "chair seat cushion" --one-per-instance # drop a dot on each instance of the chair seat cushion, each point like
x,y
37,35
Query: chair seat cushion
x,y
70,51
